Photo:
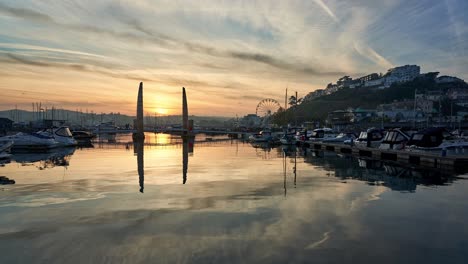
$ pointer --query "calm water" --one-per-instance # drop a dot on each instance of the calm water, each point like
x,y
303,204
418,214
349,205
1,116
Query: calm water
x,y
121,203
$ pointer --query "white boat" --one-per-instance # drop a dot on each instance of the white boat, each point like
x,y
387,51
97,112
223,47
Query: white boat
x,y
62,135
437,139
372,138
321,134
262,136
342,138
395,139
30,142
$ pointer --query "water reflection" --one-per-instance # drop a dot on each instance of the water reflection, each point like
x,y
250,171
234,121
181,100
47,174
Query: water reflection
x,y
375,172
46,160
138,150
289,152
187,147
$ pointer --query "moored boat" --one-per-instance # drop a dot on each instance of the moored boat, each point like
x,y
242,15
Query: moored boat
x,y
62,135
262,136
320,134
371,138
436,139
395,139
30,142
342,138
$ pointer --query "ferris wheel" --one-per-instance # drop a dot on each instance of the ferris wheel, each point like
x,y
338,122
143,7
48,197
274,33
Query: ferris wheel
x,y
267,107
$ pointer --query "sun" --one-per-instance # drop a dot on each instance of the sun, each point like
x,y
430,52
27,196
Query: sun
x,y
161,111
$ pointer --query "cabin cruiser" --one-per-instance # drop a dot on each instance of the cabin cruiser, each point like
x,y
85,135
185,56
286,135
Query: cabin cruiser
x,y
262,136
395,139
342,138
62,135
31,142
372,138
83,136
435,139
321,134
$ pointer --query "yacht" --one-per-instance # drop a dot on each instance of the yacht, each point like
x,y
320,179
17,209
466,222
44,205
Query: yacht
x,y
436,139
262,136
372,138
321,134
395,139
62,135
30,141
342,138
83,136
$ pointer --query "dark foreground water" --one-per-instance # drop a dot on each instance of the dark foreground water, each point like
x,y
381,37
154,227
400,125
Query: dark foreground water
x,y
239,204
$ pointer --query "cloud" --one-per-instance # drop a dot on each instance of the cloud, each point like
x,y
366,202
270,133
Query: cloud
x,y
170,42
372,55
327,10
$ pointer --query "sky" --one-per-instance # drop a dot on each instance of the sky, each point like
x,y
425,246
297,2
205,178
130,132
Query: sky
x,y
228,54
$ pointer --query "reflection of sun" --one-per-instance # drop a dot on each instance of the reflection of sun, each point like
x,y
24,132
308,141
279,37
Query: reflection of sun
x,y
161,111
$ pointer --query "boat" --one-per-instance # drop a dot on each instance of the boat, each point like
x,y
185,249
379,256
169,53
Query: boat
x,y
108,127
395,139
320,134
371,138
288,139
436,139
30,142
5,145
262,136
83,136
62,135
342,138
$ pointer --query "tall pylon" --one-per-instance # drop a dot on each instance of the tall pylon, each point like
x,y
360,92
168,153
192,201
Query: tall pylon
x,y
139,117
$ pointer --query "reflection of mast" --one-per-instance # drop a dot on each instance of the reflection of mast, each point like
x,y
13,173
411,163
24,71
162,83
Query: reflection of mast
x,y
284,172
295,167
138,146
185,147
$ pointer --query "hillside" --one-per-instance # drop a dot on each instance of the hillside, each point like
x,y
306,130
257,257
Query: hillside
x,y
365,97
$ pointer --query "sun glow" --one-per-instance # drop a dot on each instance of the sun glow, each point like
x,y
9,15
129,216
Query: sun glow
x,y
161,111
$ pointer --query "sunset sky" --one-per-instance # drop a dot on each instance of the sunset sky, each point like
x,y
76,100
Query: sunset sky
x,y
228,54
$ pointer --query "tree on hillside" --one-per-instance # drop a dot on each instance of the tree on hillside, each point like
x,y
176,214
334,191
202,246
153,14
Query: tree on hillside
x,y
293,101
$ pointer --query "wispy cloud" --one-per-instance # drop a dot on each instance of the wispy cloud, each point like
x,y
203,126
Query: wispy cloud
x,y
372,55
326,9
252,47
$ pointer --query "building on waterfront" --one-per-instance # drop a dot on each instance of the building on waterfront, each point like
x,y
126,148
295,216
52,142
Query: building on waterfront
x,y
448,79
401,74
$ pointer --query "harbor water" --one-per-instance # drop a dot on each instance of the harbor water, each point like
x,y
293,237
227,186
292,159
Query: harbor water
x,y
217,200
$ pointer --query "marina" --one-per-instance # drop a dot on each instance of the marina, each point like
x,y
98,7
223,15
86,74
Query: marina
x,y
224,200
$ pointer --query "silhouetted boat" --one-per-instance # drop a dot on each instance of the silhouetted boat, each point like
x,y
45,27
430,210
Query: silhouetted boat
x,y
435,139
372,138
395,139
83,136
62,136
